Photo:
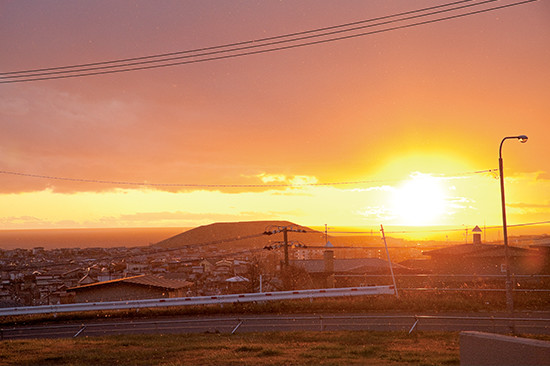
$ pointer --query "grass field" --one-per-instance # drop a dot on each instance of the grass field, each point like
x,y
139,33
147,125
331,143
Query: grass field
x,y
272,348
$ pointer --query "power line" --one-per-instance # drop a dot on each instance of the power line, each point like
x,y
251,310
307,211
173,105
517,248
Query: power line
x,y
255,41
212,55
440,230
198,185
255,45
154,251
519,225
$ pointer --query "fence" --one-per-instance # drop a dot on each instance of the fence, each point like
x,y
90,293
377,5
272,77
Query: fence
x,y
450,282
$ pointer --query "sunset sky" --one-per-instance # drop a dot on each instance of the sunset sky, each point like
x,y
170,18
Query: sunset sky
x,y
406,122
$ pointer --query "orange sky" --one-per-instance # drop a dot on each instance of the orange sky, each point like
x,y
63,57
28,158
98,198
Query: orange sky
x,y
410,111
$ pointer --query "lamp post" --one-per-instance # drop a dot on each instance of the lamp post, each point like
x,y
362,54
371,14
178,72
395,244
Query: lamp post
x,y
509,297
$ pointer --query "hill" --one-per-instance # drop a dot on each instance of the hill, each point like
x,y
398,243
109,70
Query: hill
x,y
247,234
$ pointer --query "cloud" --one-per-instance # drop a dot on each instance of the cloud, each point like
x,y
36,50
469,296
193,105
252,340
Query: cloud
x,y
270,178
296,180
182,218
142,219
529,205
19,220
25,222
303,180
384,188
530,208
66,135
377,212
116,138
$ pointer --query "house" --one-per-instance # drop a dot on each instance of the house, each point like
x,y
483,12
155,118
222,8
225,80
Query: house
x,y
543,248
223,267
87,279
208,265
331,272
133,269
240,267
482,259
72,276
130,288
237,284
106,275
476,235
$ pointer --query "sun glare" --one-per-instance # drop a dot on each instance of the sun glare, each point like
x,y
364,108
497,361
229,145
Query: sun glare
x,y
419,201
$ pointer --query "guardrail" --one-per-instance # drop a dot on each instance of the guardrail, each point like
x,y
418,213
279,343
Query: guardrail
x,y
466,289
199,300
324,322
443,275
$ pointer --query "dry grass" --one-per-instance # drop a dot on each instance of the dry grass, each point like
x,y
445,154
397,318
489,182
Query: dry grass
x,y
273,348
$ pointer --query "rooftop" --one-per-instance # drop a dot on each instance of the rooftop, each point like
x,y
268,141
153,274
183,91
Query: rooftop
x,y
143,280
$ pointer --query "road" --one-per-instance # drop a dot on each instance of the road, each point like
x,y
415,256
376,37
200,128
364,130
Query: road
x,y
536,323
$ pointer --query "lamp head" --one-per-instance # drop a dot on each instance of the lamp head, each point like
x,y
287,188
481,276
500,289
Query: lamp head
x,y
522,138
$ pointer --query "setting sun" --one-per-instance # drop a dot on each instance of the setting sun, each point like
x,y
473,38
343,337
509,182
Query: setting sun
x,y
393,126
420,200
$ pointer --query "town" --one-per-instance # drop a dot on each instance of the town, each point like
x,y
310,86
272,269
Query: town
x,y
231,263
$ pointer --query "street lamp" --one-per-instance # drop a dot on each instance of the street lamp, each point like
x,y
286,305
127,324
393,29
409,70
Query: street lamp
x,y
509,298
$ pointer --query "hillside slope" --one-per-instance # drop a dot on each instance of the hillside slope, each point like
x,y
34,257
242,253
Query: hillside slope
x,y
247,234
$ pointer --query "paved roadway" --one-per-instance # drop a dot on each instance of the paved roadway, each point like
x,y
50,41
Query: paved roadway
x,y
538,323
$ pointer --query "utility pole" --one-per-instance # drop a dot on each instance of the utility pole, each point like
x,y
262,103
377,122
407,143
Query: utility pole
x,y
389,261
272,229
285,240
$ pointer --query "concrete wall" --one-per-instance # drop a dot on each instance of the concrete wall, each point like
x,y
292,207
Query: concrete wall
x,y
477,348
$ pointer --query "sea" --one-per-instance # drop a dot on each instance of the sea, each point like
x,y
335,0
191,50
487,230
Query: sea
x,y
85,238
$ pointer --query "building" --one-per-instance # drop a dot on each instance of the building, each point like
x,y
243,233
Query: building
x,y
476,235
333,272
133,269
543,248
130,288
482,259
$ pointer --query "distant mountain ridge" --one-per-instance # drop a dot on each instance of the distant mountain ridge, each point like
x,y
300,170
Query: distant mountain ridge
x,y
244,234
